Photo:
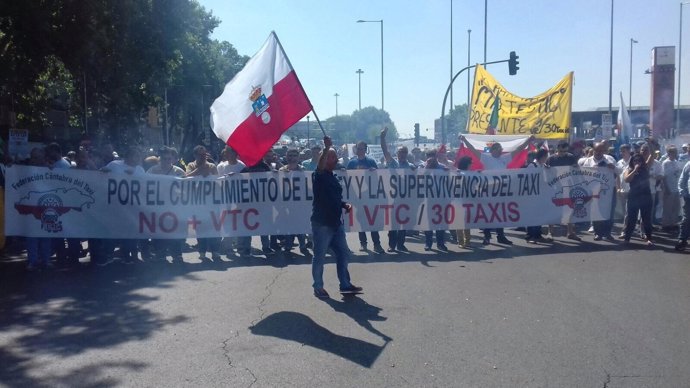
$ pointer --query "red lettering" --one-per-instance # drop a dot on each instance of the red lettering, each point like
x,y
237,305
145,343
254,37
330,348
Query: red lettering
x,y
386,213
398,218
495,217
468,212
246,219
173,222
216,222
514,211
371,217
149,223
480,214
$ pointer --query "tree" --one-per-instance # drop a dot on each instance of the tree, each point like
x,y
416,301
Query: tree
x,y
368,122
457,123
121,56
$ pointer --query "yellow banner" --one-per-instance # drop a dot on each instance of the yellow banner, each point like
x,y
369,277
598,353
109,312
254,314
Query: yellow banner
x,y
547,116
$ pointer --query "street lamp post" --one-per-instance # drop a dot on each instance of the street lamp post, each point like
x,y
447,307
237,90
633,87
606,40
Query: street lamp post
x,y
378,21
680,69
359,75
611,63
486,7
336,104
469,42
630,82
451,52
308,131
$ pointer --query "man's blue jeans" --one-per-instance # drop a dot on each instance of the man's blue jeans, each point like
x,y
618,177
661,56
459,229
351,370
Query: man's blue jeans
x,y
333,237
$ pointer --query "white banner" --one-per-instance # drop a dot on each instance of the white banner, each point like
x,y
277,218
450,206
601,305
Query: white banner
x,y
72,203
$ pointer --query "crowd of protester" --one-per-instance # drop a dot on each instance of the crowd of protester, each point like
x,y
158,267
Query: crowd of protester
x,y
650,183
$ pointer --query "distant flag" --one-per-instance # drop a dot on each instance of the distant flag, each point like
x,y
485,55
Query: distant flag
x,y
624,125
260,103
493,120
482,143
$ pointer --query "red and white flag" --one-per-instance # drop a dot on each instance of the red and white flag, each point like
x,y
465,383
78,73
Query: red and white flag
x,y
260,103
482,143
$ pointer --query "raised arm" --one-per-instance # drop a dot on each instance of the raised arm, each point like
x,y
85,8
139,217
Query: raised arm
x,y
327,144
522,146
469,146
384,145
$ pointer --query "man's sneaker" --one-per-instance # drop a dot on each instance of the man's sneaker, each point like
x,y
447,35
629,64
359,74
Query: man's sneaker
x,y
268,251
215,256
427,248
303,250
390,250
378,248
486,241
352,289
597,237
503,240
680,246
442,248
362,247
321,293
403,248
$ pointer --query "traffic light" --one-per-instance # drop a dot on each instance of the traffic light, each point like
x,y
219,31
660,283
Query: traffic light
x,y
416,133
513,63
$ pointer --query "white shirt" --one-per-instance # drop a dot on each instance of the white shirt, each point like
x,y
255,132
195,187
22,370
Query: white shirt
x,y
225,168
655,171
591,162
491,163
119,167
621,166
671,170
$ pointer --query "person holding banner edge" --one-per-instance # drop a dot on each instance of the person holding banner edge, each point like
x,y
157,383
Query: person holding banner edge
x,y
327,223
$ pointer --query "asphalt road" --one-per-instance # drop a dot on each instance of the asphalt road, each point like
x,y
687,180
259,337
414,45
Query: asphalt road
x,y
567,314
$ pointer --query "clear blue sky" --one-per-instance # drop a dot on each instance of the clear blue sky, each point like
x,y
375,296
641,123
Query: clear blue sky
x,y
326,46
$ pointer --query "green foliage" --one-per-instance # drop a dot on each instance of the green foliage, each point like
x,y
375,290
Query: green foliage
x,y
120,55
457,123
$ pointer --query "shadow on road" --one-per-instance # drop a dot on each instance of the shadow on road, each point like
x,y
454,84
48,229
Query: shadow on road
x,y
361,312
98,308
58,314
302,329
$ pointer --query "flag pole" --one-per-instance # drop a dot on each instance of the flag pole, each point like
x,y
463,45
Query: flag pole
x,y
298,81
318,121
